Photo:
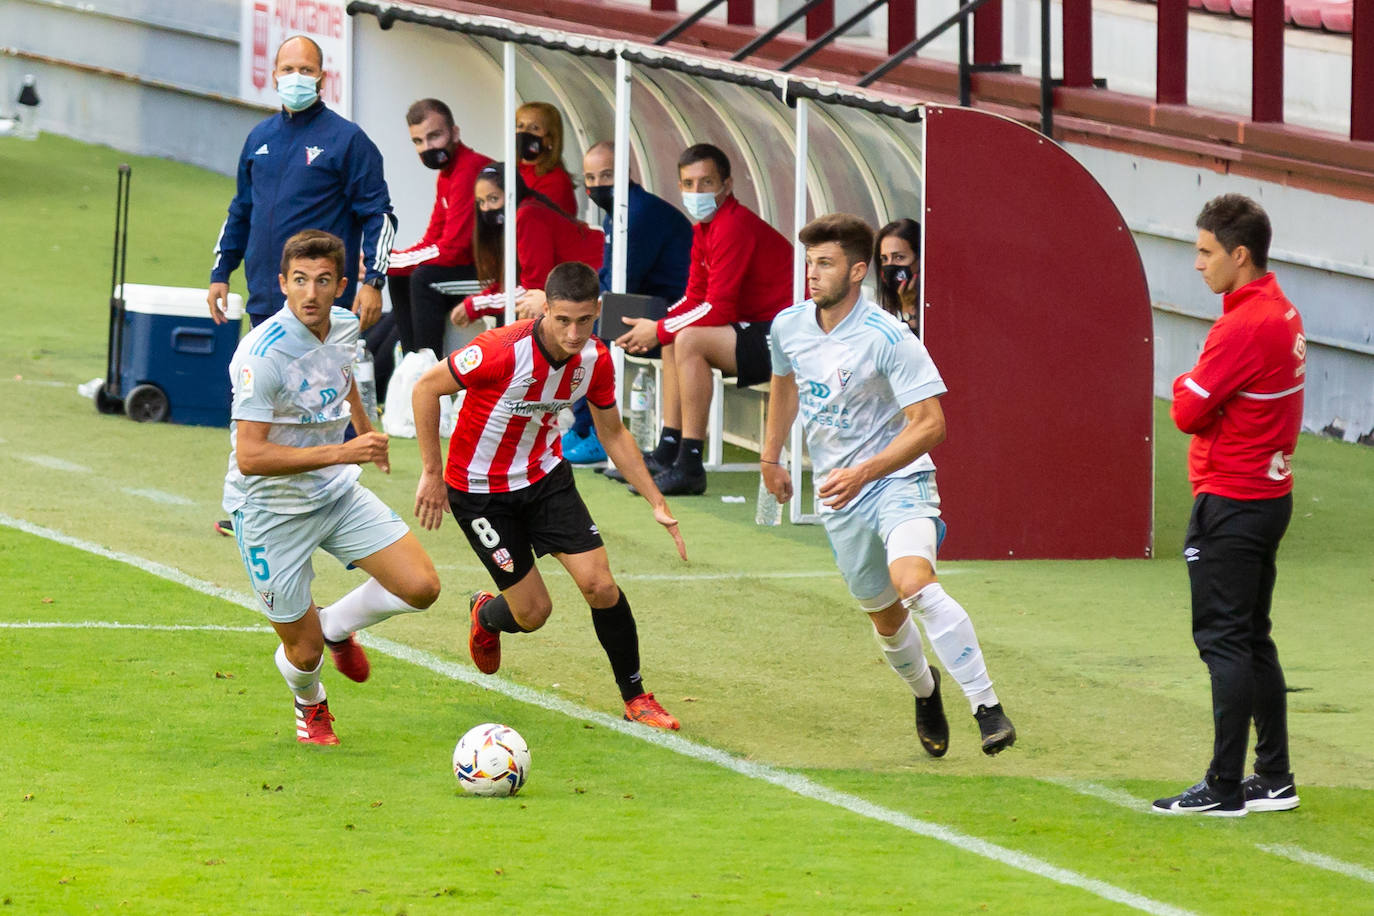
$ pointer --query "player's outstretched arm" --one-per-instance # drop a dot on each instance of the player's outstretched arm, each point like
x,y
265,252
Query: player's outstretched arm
x,y
782,412
431,495
258,456
624,451
925,429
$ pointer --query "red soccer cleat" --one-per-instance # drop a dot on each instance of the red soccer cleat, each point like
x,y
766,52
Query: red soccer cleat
x,y
645,710
483,645
312,724
350,658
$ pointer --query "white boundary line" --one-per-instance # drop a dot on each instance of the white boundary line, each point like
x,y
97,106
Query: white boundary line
x,y
1349,869
792,782
1295,853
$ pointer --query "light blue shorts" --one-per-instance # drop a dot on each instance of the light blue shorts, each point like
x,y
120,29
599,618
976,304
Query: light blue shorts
x,y
859,532
277,548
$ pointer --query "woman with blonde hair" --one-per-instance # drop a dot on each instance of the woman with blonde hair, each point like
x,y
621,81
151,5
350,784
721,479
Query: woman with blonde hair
x,y
539,143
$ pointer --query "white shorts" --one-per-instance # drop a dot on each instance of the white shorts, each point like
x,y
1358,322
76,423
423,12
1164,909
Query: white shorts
x,y
277,548
859,534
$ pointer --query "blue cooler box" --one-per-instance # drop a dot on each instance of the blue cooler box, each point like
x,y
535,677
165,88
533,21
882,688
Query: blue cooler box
x,y
171,342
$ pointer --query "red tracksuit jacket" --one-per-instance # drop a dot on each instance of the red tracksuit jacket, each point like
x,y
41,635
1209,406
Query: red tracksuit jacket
x,y
741,271
1242,402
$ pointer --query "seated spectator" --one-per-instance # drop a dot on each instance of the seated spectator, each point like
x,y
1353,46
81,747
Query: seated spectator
x,y
539,143
657,254
741,276
897,262
437,271
544,237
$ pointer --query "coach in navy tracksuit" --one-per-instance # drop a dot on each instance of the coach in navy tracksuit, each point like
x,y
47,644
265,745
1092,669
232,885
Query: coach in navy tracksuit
x,y
304,168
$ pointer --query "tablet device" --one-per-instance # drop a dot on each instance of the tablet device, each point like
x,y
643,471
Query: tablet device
x,y
615,306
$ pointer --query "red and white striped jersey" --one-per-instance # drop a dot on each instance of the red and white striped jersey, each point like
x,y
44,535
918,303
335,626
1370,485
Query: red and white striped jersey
x,y
507,434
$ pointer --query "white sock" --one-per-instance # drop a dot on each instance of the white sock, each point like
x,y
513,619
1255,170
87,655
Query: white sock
x,y
305,685
367,604
951,636
907,657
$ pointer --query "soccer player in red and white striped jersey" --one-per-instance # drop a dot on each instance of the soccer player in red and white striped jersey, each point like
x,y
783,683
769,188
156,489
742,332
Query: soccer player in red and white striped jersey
x,y
511,491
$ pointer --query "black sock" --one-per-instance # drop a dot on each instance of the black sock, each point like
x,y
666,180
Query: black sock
x,y
689,456
615,628
495,616
668,440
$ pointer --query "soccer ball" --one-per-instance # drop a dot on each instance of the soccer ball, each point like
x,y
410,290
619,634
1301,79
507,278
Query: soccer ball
x,y
491,759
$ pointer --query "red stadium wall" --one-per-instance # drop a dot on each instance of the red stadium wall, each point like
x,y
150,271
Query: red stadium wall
x,y
1038,316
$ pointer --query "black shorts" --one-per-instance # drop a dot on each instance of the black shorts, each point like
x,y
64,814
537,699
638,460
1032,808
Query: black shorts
x,y
752,359
507,530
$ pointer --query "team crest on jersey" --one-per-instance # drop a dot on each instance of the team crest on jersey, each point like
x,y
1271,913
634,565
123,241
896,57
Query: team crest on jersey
x,y
845,376
578,375
246,381
311,152
469,359
268,598
502,558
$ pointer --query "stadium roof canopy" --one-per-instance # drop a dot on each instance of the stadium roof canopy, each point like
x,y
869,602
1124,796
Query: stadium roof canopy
x,y
861,151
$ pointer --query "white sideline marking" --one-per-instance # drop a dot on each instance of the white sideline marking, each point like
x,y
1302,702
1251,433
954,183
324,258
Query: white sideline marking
x,y
1105,793
1349,869
56,464
792,782
159,496
113,625
1295,853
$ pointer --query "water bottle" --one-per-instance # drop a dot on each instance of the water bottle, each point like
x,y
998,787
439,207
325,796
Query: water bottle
x,y
768,511
641,415
365,371
26,127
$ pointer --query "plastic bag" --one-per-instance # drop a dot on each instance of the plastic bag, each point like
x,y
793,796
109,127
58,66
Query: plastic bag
x,y
399,418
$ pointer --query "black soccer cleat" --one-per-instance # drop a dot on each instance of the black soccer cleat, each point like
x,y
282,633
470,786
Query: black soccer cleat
x,y
650,462
1269,793
1202,799
997,731
225,527
931,725
678,481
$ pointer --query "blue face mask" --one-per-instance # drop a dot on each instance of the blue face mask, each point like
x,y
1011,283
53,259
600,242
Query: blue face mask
x,y
297,91
700,205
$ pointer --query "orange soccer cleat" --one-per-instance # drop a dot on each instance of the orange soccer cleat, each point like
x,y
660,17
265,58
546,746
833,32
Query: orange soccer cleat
x,y
645,710
313,724
350,658
483,645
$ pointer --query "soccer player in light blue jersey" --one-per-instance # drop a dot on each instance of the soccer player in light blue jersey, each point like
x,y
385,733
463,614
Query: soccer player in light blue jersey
x,y
292,482
869,394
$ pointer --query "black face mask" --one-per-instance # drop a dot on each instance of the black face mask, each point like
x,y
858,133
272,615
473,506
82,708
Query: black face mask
x,y
492,219
603,195
436,158
894,275
528,146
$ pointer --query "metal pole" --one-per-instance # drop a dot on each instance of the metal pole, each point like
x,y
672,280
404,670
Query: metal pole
x,y
1046,83
620,210
508,259
802,146
965,81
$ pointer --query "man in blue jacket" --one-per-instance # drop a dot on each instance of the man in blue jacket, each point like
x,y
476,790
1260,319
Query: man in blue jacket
x,y
658,257
304,168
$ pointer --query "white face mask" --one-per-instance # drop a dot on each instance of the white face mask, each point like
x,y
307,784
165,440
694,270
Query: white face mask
x,y
700,205
297,91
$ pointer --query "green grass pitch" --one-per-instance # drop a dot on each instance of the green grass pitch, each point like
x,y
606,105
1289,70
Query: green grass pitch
x,y
147,769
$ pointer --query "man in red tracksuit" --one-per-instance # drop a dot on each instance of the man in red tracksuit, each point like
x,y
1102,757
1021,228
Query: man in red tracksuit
x,y
1242,403
429,277
740,277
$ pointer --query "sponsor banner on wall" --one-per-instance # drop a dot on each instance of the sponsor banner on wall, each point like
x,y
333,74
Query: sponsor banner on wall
x,y
265,24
